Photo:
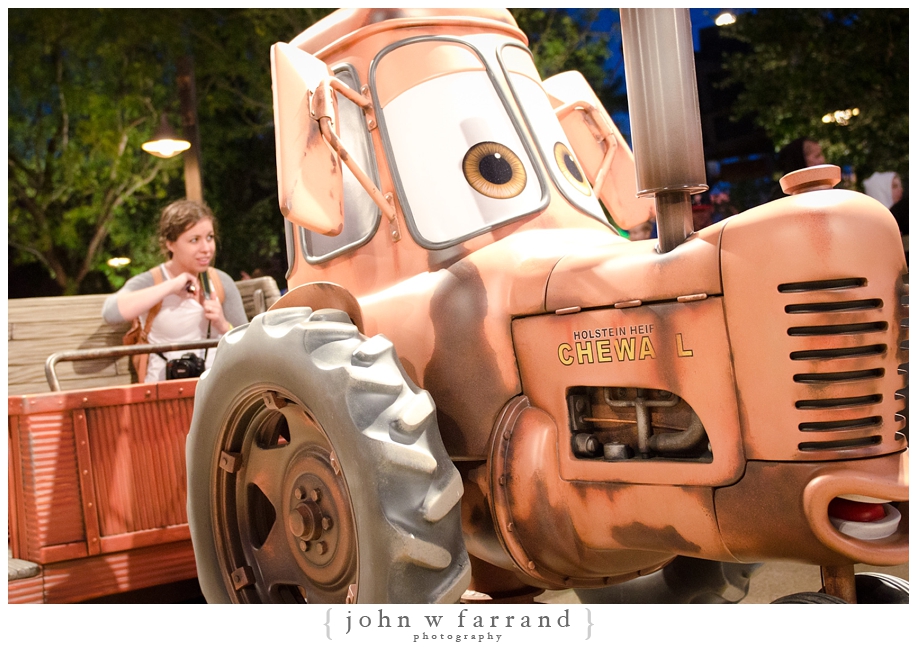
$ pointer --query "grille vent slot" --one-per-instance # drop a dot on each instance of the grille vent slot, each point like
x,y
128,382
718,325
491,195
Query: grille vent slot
x,y
842,425
839,353
843,376
843,329
833,445
833,306
839,403
814,286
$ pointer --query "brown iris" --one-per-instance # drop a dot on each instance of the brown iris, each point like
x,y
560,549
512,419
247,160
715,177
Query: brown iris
x,y
570,168
494,170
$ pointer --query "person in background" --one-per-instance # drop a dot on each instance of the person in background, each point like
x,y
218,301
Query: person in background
x,y
887,188
188,240
800,153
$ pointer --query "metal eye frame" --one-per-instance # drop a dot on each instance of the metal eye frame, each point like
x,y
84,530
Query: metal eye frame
x,y
390,156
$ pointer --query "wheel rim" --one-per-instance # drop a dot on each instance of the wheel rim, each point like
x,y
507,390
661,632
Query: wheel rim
x,y
285,523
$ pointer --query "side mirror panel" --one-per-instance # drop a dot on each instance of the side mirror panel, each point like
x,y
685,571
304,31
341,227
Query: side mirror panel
x,y
618,192
310,183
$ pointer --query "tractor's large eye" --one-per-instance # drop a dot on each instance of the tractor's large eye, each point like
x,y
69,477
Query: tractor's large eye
x,y
494,170
571,168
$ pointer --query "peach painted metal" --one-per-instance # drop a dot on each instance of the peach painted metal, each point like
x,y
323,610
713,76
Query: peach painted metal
x,y
608,406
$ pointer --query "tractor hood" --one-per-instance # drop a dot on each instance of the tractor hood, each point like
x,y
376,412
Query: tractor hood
x,y
625,273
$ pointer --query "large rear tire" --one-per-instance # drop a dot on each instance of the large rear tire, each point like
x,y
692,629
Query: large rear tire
x,y
316,472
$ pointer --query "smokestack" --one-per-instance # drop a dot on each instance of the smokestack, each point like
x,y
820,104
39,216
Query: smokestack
x,y
664,116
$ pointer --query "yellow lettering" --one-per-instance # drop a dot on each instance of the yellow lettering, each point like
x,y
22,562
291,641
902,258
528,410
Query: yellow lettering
x,y
680,346
625,348
565,354
583,352
603,350
646,349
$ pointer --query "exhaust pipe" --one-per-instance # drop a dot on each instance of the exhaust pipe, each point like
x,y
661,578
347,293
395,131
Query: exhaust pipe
x,y
664,116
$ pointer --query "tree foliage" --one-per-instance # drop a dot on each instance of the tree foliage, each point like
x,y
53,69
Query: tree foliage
x,y
81,101
87,87
806,63
572,39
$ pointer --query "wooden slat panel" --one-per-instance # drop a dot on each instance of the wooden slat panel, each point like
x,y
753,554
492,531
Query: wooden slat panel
x,y
139,463
38,308
49,489
28,591
100,575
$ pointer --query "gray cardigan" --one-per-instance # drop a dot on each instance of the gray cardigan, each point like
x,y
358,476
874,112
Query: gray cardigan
x,y
233,309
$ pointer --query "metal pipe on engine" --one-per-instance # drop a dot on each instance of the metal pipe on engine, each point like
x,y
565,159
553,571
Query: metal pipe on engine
x,y
664,116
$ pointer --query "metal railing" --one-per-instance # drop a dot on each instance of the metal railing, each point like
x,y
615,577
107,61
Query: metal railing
x,y
115,352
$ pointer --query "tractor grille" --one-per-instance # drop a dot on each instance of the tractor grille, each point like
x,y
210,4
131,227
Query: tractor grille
x,y
845,356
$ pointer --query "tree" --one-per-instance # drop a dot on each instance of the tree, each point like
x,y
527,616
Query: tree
x,y
82,90
806,63
87,87
572,39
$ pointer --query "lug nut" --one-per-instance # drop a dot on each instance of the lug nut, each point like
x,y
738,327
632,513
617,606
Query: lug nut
x,y
303,545
316,495
327,523
300,493
322,547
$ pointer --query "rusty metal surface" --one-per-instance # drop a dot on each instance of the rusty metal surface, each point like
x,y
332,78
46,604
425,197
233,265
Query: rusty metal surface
x,y
839,581
763,515
675,347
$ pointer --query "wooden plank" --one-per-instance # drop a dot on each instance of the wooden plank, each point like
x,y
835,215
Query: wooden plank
x,y
82,333
87,483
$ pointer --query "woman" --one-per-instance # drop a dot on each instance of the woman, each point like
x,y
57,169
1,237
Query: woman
x,y
186,236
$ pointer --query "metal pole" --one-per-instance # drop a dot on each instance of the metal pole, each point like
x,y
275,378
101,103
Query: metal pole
x,y
187,95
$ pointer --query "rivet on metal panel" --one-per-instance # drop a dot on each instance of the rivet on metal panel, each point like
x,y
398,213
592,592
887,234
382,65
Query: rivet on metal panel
x,y
85,399
503,480
85,471
351,594
242,577
181,390
95,539
148,393
392,219
89,504
510,526
230,462
506,435
531,565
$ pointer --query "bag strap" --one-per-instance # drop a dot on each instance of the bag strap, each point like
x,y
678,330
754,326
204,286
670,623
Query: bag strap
x,y
158,277
216,283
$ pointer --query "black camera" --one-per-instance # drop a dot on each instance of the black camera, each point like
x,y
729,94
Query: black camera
x,y
188,365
